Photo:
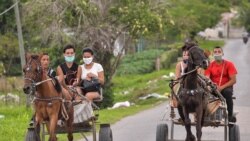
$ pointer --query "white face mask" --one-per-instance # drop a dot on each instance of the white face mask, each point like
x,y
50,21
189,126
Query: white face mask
x,y
218,57
87,60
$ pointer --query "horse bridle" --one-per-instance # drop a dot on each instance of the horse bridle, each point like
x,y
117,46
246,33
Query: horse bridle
x,y
37,76
191,59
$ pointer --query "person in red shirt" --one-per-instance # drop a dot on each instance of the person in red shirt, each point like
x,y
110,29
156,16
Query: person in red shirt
x,y
223,73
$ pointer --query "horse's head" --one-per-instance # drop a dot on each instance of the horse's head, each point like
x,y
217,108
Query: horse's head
x,y
32,73
197,57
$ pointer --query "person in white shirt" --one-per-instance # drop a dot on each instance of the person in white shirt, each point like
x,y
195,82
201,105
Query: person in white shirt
x,y
89,71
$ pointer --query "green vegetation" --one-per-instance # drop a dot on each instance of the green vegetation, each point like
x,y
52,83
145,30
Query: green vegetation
x,y
244,9
139,63
13,125
168,57
131,87
209,45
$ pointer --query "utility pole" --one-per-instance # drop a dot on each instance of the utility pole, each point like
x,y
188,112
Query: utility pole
x,y
20,35
20,41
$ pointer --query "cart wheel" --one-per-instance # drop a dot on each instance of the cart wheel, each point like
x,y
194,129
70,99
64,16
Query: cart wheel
x,y
234,133
32,135
105,133
162,132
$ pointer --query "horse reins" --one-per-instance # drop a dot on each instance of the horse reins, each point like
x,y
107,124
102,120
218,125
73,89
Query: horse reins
x,y
189,72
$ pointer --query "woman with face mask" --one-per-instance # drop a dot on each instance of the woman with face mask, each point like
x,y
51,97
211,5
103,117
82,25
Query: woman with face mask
x,y
182,65
90,71
179,70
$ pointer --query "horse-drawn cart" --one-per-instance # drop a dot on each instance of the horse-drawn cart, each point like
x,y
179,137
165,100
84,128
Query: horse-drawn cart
x,y
85,121
216,116
51,105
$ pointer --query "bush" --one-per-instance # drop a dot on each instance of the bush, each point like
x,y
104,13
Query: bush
x,y
169,57
139,63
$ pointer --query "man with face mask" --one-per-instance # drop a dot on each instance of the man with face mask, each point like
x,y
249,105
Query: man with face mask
x,y
67,71
223,73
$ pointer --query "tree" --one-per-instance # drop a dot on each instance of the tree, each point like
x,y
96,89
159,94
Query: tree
x,y
244,14
193,16
6,20
91,23
9,54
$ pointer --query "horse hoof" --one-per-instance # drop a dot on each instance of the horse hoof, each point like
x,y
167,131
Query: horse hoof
x,y
192,138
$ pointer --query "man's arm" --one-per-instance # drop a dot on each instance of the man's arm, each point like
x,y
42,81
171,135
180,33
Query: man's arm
x,y
78,76
230,83
60,75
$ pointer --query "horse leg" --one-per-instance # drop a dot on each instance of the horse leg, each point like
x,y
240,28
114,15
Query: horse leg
x,y
199,115
70,123
52,127
202,118
180,111
187,122
37,129
37,121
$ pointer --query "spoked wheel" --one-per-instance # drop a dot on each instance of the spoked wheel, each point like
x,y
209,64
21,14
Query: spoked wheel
x,y
105,133
234,133
162,132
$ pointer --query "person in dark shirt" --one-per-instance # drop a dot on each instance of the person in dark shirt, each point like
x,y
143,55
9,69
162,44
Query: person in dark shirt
x,y
67,72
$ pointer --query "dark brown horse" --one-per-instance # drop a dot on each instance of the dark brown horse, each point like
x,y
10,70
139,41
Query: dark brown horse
x,y
48,101
191,96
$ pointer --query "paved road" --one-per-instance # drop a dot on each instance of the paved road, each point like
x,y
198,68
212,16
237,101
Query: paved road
x,y
142,126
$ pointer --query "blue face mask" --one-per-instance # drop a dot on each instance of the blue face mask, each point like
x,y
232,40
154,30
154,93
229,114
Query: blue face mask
x,y
69,59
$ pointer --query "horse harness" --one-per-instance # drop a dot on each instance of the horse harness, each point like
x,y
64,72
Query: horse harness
x,y
37,82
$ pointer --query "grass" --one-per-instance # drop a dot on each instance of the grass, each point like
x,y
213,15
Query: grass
x,y
131,87
208,44
13,125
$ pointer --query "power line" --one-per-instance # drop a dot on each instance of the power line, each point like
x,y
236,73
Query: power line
x,y
5,11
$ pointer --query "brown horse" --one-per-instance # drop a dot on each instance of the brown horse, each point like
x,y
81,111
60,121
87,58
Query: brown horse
x,y
48,100
193,97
